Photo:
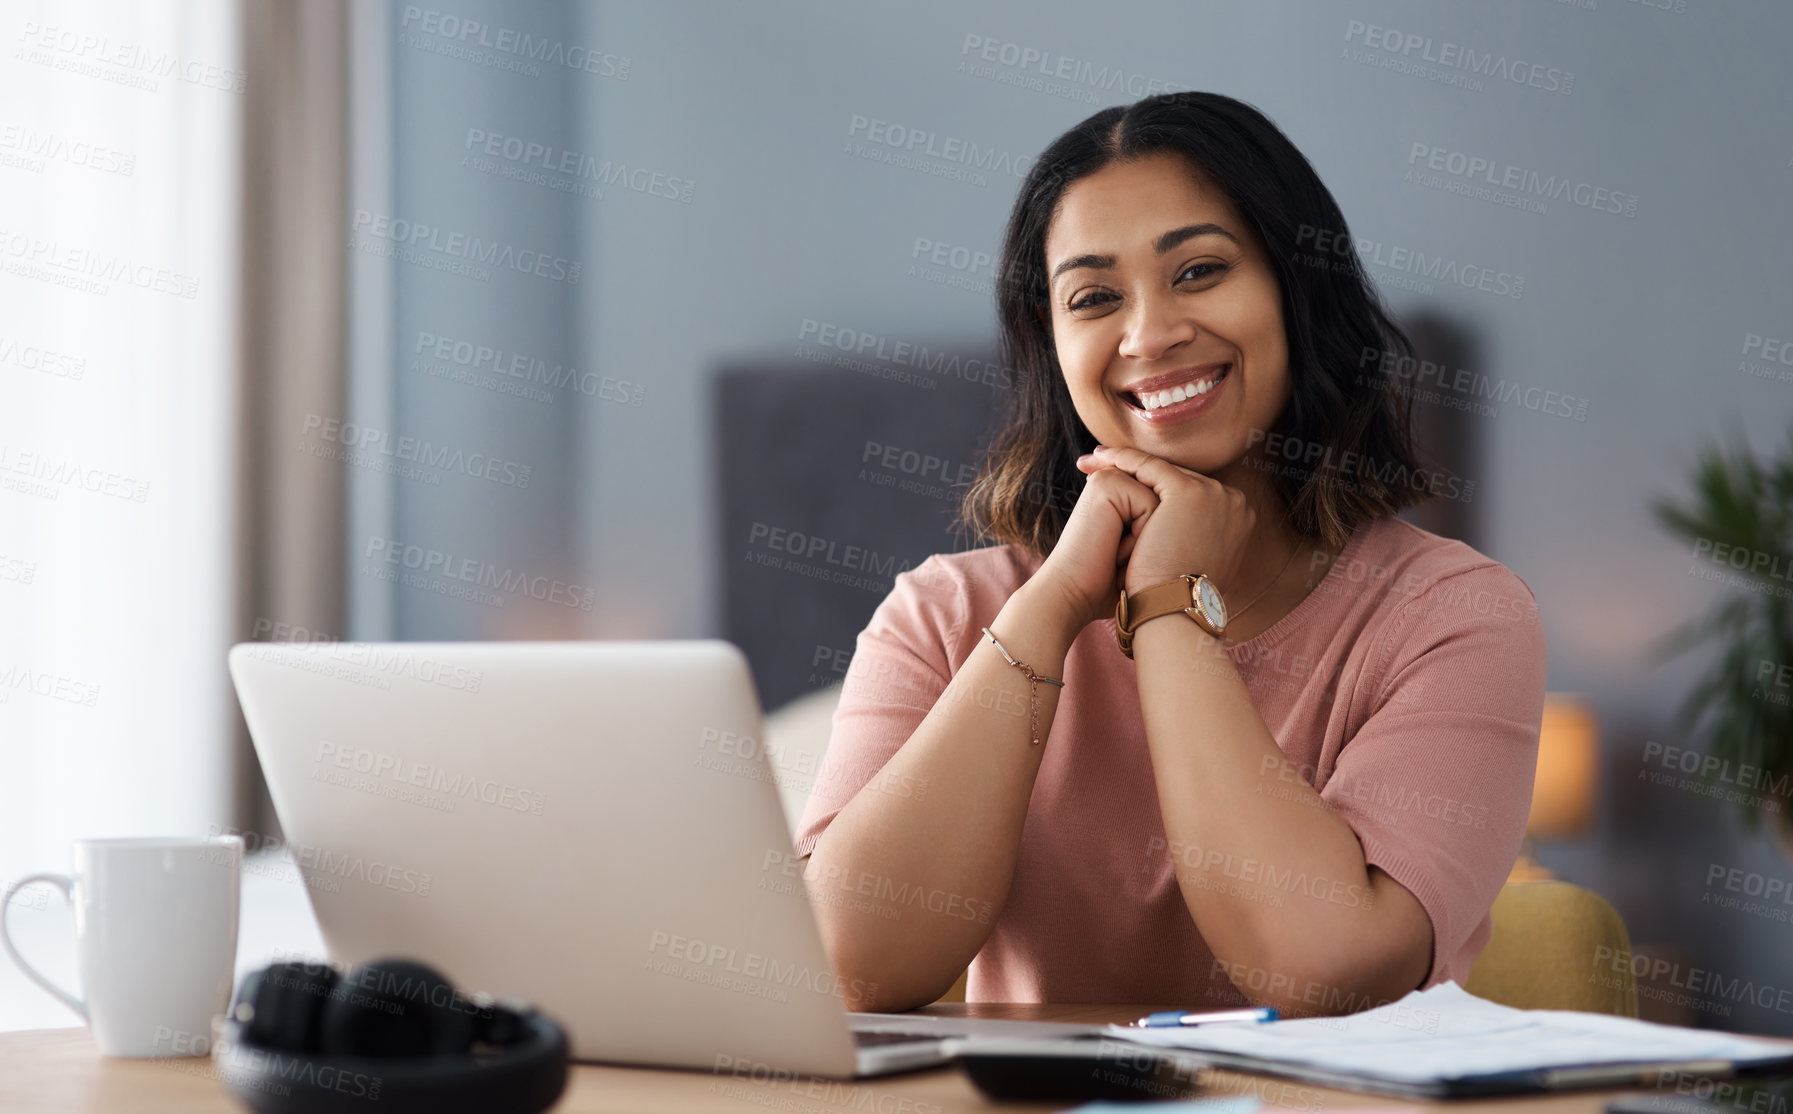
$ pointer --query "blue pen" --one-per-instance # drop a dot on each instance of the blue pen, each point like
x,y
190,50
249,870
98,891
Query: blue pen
x,y
1178,1019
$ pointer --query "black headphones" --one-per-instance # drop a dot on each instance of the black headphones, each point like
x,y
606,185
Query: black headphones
x,y
302,1039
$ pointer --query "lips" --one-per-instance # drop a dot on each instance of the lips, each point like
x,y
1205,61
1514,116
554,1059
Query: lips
x,y
1163,391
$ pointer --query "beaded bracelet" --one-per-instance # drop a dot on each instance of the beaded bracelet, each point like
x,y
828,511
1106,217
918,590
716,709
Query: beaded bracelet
x,y
1033,706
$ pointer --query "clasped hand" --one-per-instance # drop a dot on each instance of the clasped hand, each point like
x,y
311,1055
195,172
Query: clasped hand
x,y
1141,520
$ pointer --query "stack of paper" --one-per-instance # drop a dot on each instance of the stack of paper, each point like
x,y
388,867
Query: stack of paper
x,y
1447,1041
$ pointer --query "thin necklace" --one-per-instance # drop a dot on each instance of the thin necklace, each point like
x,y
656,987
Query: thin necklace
x,y
1272,584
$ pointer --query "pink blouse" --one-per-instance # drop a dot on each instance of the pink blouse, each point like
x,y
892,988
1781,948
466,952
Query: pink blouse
x,y
1407,688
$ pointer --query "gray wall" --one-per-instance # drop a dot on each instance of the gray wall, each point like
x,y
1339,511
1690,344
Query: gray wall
x,y
469,284
1640,316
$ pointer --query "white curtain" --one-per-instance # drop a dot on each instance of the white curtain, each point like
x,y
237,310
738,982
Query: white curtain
x,y
119,453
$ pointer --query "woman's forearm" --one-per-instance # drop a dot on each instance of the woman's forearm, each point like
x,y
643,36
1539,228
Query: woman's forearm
x,y
1274,877
944,859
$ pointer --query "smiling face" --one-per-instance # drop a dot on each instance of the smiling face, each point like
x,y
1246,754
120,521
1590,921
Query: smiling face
x,y
1165,314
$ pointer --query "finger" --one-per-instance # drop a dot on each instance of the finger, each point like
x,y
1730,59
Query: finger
x,y
1132,500
1153,471
1090,463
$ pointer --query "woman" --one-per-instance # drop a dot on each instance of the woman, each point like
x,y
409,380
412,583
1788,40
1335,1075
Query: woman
x,y
1305,793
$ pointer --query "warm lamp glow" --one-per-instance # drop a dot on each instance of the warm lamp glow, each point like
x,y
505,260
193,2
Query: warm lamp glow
x,y
1568,755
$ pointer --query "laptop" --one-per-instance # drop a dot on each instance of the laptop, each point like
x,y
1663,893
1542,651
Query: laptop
x,y
591,827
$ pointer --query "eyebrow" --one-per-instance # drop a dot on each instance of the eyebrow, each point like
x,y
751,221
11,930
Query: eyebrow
x,y
1165,243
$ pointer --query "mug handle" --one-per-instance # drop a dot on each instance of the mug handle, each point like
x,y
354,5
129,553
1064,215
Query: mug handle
x,y
67,885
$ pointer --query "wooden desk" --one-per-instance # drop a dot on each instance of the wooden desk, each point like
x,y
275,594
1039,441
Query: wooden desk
x,y
59,1070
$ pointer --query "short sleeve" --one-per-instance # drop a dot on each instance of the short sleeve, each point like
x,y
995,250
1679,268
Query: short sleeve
x,y
1437,782
902,662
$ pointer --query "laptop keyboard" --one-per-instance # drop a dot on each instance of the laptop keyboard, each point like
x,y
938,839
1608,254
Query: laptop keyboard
x,y
863,1038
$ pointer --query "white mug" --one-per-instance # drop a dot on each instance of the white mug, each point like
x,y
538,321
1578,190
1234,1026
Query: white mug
x,y
156,940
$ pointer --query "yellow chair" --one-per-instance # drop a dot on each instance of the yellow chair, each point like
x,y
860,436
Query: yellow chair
x,y
956,993
1555,947
1543,954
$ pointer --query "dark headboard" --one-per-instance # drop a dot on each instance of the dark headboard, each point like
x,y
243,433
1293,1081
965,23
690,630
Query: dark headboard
x,y
860,473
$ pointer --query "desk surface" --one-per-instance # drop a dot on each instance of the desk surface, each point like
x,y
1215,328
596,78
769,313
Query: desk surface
x,y
59,1070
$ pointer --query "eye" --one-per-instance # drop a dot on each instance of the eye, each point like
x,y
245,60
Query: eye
x,y
1195,272
1206,269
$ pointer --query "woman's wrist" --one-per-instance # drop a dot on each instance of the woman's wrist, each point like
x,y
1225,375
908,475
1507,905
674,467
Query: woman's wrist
x,y
1043,616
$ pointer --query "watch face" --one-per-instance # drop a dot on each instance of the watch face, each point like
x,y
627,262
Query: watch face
x,y
1210,597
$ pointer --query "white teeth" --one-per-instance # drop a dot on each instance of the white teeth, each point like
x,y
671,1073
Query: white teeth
x,y
1160,399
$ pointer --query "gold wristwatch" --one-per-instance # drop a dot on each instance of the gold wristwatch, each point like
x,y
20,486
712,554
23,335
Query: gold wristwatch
x,y
1193,594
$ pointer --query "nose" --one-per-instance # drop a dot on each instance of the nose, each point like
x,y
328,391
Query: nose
x,y
1156,324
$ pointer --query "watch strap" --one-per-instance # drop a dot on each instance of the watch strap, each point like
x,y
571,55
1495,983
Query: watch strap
x,y
1154,601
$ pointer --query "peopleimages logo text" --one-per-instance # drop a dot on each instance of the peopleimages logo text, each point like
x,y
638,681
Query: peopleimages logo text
x,y
529,369
471,570
1448,55
951,149
439,779
371,439
1492,172
521,44
461,245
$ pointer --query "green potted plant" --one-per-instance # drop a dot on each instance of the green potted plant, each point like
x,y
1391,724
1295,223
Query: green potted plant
x,y
1739,524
